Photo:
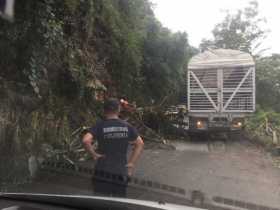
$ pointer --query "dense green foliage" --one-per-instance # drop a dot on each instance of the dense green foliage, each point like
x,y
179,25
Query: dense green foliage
x,y
57,56
57,46
268,82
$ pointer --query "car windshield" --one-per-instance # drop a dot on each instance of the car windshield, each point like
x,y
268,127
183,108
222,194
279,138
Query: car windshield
x,y
174,102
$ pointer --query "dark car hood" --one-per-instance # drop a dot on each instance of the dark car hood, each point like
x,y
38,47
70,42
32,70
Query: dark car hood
x,y
86,202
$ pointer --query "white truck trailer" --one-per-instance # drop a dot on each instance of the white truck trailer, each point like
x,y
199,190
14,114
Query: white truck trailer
x,y
220,89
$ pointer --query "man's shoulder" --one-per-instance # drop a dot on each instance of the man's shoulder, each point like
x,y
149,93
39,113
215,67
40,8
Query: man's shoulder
x,y
120,122
116,122
125,123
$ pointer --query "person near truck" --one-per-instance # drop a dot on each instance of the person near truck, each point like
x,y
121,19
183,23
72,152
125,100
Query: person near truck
x,y
113,166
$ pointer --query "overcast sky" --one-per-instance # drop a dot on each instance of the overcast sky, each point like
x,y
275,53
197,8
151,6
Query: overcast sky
x,y
198,17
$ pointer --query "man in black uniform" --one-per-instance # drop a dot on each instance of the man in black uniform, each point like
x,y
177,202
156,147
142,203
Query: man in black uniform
x,y
113,137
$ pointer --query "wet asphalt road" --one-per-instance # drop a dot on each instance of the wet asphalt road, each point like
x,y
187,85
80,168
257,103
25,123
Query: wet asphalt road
x,y
237,170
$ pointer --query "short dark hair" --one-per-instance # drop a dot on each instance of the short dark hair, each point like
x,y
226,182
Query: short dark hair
x,y
111,105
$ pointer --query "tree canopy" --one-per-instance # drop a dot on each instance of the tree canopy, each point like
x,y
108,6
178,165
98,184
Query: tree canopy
x,y
242,30
58,47
58,57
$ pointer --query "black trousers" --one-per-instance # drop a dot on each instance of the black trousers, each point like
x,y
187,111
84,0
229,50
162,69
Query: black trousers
x,y
109,184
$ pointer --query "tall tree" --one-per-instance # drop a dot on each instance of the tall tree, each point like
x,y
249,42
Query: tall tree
x,y
240,31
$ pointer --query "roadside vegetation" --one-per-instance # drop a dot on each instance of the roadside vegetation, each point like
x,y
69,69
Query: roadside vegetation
x,y
59,58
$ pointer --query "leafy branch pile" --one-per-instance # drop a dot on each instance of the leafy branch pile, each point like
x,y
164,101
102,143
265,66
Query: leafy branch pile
x,y
265,125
